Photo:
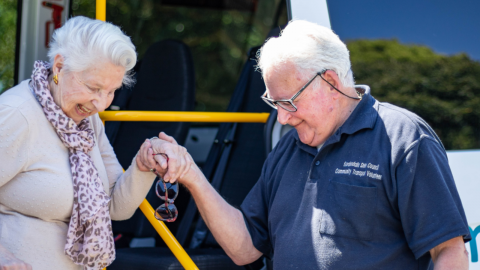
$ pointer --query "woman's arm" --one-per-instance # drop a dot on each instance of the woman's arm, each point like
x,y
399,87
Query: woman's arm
x,y
127,190
130,188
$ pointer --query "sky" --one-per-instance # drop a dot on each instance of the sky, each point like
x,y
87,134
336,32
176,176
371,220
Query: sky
x,y
448,27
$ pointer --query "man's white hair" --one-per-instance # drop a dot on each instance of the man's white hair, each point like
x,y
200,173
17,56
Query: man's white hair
x,y
310,48
84,43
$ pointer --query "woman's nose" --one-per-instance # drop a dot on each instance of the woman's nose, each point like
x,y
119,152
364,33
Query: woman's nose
x,y
101,103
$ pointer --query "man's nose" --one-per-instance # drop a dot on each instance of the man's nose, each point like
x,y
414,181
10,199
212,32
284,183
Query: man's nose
x,y
283,116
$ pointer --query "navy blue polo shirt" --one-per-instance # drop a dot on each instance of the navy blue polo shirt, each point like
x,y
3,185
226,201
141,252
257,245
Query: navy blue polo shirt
x,y
379,194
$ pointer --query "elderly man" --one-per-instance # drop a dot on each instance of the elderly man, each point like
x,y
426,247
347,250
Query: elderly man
x,y
358,184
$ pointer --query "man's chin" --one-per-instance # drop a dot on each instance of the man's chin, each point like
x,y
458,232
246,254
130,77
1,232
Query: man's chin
x,y
306,140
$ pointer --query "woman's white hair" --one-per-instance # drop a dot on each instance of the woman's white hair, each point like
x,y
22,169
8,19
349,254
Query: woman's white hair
x,y
84,42
310,48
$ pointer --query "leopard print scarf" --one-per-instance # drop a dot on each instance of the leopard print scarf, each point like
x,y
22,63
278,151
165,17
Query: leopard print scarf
x,y
89,238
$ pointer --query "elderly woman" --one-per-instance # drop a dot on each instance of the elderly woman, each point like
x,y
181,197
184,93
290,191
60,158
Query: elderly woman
x,y
60,182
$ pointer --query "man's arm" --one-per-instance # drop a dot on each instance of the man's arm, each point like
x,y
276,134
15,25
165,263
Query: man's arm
x,y
224,221
450,254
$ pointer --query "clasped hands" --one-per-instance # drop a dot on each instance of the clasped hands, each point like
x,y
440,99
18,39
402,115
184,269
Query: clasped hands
x,y
178,163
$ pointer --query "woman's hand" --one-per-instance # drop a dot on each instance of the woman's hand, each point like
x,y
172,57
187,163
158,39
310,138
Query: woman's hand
x,y
179,161
145,159
9,262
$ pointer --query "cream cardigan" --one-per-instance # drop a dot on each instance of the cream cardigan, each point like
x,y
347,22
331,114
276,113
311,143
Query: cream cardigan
x,y
36,192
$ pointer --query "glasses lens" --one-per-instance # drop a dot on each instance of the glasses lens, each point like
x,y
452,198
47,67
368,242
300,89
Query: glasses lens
x,y
165,213
171,188
286,105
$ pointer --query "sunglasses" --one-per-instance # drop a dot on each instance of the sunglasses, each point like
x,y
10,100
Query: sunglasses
x,y
168,192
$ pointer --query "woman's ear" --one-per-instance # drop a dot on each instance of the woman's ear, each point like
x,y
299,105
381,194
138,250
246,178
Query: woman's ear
x,y
57,64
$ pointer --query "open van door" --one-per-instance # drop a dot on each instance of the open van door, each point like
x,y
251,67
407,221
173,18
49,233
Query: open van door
x,y
39,18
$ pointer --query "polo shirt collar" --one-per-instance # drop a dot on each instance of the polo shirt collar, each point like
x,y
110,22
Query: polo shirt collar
x,y
363,116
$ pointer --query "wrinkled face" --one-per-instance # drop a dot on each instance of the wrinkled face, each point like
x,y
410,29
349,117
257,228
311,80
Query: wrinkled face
x,y
316,118
82,94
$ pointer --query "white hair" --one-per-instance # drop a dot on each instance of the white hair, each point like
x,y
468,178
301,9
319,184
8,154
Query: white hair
x,y
84,42
310,48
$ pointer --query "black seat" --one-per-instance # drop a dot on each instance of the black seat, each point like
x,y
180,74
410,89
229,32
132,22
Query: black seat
x,y
165,82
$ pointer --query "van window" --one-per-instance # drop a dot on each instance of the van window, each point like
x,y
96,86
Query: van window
x,y
218,36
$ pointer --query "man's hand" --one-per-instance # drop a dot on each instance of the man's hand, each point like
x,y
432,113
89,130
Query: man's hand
x,y
450,254
179,161
145,159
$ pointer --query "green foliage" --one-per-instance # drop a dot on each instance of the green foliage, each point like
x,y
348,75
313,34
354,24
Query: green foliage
x,y
444,90
8,22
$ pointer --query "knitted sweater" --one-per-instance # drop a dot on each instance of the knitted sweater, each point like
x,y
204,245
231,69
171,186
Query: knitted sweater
x,y
36,191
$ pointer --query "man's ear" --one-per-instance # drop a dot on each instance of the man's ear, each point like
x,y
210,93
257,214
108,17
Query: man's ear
x,y
332,77
57,64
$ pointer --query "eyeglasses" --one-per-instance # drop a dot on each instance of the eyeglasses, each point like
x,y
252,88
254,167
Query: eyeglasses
x,y
167,192
287,104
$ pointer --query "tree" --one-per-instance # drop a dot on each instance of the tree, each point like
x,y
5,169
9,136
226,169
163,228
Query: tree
x,y
443,90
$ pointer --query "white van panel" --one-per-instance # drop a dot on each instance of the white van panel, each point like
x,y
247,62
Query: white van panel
x,y
464,168
315,11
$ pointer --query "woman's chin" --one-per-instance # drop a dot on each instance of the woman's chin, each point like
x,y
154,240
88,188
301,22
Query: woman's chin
x,y
75,117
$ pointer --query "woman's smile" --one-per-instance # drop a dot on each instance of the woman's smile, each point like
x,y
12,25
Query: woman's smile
x,y
82,110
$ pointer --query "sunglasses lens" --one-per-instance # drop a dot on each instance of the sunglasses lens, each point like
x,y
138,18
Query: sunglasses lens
x,y
165,213
171,188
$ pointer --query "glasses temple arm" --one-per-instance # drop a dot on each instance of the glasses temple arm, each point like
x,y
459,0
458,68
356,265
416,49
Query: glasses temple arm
x,y
323,71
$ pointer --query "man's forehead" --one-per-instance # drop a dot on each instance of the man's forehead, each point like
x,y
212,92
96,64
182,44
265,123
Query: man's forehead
x,y
282,85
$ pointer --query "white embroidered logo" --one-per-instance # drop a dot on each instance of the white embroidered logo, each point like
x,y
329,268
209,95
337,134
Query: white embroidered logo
x,y
366,169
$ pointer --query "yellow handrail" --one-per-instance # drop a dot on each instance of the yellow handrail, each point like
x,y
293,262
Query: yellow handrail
x,y
155,116
167,236
163,231
212,117
101,12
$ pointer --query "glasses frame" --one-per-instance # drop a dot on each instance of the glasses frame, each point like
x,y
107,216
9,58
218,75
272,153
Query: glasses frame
x,y
274,103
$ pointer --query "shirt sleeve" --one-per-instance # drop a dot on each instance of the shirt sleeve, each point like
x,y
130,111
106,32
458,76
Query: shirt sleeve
x,y
14,143
430,208
255,214
128,189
